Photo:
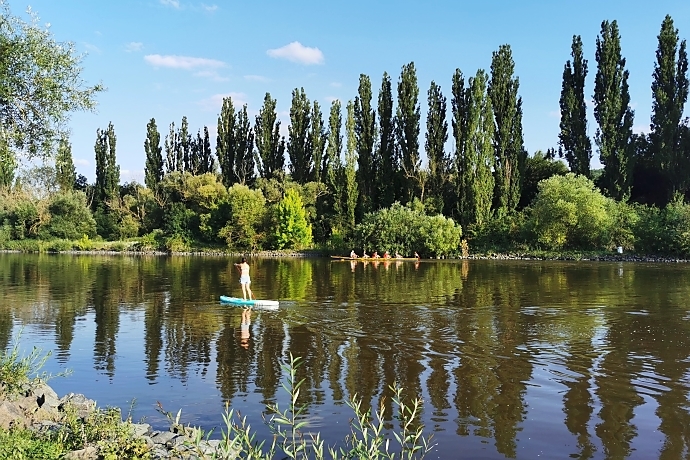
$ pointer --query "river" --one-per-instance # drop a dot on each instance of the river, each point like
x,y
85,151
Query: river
x,y
513,359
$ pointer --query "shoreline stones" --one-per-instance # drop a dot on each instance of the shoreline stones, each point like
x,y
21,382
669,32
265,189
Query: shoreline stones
x,y
38,408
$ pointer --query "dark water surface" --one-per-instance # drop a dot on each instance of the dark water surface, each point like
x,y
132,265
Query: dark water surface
x,y
521,360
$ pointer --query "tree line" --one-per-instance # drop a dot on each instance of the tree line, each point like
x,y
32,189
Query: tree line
x,y
366,156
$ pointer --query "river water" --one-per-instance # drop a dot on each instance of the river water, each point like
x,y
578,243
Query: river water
x,y
512,359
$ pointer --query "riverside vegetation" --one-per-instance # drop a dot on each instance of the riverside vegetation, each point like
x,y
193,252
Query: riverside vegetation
x,y
36,424
365,187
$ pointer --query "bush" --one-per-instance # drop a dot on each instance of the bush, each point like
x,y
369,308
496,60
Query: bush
x,y
84,244
292,231
500,233
176,243
242,215
59,245
570,213
70,217
405,230
664,231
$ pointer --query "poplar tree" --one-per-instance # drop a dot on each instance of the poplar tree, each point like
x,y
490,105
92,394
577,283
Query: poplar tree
x,y
226,143
207,162
365,132
509,150
333,168
350,192
407,130
171,149
574,142
473,129
613,113
107,170
153,169
244,158
195,148
389,165
436,137
301,160
184,141
459,199
65,172
669,95
317,142
269,144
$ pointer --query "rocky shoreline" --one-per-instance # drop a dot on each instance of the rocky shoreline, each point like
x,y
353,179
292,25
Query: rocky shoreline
x,y
38,408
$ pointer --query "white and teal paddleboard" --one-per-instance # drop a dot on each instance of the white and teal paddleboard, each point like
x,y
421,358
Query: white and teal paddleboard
x,y
249,303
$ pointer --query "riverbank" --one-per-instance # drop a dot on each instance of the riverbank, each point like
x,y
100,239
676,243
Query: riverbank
x,y
36,423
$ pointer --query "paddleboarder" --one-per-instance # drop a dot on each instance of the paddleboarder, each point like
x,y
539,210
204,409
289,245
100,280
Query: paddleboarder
x,y
245,281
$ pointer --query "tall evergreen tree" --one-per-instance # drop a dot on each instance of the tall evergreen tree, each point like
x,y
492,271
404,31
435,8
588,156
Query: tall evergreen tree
x,y
153,169
407,130
333,168
171,149
509,150
184,142
226,143
317,142
575,144
387,180
613,113
458,200
107,170
65,172
244,159
350,192
436,137
669,95
269,144
301,160
473,128
365,132
207,162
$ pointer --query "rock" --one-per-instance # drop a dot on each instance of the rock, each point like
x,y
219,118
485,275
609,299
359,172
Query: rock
x,y
78,402
11,415
28,404
165,438
46,395
44,427
140,429
88,453
158,453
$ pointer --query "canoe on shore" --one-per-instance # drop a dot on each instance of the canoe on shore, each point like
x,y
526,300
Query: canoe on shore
x,y
376,259
236,301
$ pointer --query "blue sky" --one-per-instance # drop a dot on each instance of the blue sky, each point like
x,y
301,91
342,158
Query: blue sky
x,y
169,58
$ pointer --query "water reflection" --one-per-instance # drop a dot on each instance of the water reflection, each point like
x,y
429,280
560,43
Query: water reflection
x,y
513,360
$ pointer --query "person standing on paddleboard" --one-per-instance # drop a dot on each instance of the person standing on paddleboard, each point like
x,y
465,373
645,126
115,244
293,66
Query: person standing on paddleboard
x,y
245,281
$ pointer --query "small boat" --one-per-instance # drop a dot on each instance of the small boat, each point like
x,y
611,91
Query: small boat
x,y
236,301
377,259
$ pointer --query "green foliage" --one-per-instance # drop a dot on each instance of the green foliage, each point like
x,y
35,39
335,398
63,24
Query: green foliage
x,y
301,159
575,144
664,231
405,230
59,245
20,444
365,134
8,166
19,216
18,369
84,244
350,187
537,168
65,172
269,144
244,212
569,212
40,84
176,243
407,118
107,183
153,169
292,231
436,137
70,217
388,178
613,113
502,233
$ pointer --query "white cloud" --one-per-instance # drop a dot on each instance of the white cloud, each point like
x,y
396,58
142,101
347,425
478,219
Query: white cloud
x,y
133,46
256,78
212,74
183,62
296,52
209,8
172,3
92,47
215,102
81,162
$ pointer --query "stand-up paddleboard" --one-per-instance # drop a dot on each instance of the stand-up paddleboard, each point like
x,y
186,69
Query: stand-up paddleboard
x,y
249,303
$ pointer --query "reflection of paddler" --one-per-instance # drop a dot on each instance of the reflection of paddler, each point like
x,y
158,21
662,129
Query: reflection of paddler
x,y
244,327
353,265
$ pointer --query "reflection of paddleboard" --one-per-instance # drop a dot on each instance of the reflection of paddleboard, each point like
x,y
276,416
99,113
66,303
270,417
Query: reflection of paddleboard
x,y
249,303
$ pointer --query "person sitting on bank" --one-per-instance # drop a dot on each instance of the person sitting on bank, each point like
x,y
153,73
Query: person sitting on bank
x,y
386,255
353,254
397,255
375,255
364,254
417,256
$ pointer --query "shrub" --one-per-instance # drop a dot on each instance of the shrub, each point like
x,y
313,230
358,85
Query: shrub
x,y
70,217
292,231
569,212
242,215
59,245
176,243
